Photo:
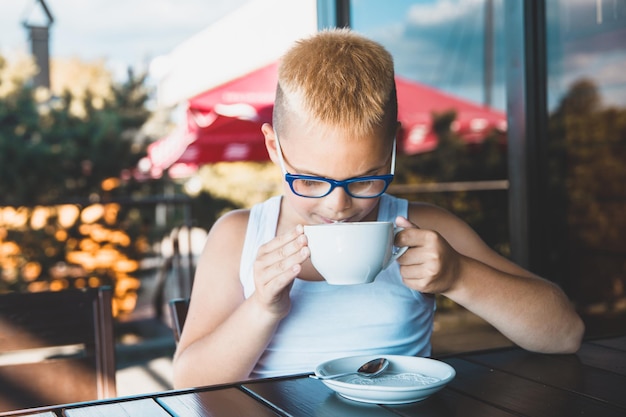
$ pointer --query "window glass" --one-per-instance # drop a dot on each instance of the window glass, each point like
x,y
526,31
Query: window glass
x,y
587,149
451,91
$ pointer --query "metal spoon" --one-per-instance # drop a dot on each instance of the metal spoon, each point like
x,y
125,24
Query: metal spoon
x,y
369,370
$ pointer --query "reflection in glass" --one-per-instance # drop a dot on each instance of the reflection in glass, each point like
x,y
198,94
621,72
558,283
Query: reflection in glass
x,y
587,150
452,52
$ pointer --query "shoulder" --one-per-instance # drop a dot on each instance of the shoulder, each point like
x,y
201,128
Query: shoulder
x,y
233,221
226,237
429,216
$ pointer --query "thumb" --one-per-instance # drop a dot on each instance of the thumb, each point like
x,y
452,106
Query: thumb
x,y
404,222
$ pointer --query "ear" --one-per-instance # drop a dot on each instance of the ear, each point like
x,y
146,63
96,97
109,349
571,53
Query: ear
x,y
270,141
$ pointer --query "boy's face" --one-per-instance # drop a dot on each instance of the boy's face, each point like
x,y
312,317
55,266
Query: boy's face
x,y
335,154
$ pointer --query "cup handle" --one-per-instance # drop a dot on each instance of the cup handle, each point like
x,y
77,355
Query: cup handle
x,y
399,251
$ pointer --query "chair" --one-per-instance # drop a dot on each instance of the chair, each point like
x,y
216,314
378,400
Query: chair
x,y
56,347
178,313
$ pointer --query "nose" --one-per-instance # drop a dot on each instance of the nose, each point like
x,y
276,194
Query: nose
x,y
338,200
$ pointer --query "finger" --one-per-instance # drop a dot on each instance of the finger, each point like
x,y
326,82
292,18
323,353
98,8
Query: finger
x,y
281,240
404,222
279,261
289,266
282,281
281,247
418,238
278,277
282,258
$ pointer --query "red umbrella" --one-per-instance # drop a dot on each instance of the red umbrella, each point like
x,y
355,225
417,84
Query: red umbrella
x,y
227,120
224,124
416,105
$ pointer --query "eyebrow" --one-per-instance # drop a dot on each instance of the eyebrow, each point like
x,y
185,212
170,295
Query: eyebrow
x,y
313,174
365,174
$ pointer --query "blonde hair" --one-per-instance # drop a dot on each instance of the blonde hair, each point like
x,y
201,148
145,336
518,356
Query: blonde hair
x,y
339,79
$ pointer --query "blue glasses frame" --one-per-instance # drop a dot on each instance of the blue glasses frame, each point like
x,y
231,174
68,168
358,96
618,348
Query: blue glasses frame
x,y
290,178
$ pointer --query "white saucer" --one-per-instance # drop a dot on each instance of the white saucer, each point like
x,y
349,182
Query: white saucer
x,y
408,379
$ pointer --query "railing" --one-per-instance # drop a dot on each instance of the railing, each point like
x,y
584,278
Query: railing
x,y
441,187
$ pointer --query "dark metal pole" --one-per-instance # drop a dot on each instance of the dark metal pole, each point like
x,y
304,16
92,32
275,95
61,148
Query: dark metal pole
x,y
343,13
526,137
39,37
488,80
39,41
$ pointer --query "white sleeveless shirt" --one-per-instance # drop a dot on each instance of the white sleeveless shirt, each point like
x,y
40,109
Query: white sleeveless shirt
x,y
328,321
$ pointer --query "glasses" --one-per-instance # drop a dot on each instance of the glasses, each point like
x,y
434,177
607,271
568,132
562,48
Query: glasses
x,y
311,186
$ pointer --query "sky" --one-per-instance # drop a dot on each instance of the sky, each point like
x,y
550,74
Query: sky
x,y
437,42
123,32
134,32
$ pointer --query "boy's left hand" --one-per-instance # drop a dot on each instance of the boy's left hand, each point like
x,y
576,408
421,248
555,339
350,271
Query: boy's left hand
x,y
430,265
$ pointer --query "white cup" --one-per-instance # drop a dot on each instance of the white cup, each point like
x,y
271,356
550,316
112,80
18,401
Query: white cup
x,y
352,253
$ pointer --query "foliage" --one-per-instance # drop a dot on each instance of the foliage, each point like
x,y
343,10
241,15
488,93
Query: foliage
x,y
242,183
56,166
48,154
586,195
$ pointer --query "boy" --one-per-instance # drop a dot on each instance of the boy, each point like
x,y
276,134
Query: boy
x,y
259,308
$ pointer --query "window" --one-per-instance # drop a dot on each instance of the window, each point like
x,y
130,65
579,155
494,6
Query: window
x,y
586,150
451,91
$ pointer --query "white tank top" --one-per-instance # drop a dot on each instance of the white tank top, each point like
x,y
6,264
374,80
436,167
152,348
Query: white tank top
x,y
327,321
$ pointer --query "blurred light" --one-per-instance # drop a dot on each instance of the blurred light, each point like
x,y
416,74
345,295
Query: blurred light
x,y
183,240
38,286
9,249
92,213
110,184
58,285
125,265
106,257
39,217
193,186
478,124
31,271
418,133
197,239
60,235
88,245
144,165
16,218
167,247
110,213
67,215
119,238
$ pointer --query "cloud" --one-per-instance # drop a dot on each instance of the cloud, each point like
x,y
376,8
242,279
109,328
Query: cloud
x,y
442,44
443,12
124,32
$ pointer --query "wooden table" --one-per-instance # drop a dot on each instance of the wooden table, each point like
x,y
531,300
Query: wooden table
x,y
502,382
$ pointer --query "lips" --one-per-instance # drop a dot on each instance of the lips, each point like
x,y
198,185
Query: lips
x,y
327,220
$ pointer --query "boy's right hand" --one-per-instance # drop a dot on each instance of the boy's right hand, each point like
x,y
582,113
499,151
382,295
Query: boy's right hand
x,y
278,263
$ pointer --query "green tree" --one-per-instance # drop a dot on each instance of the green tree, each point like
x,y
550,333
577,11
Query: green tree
x,y
50,154
586,195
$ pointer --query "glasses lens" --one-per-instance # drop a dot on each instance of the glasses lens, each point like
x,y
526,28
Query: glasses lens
x,y
367,188
310,188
